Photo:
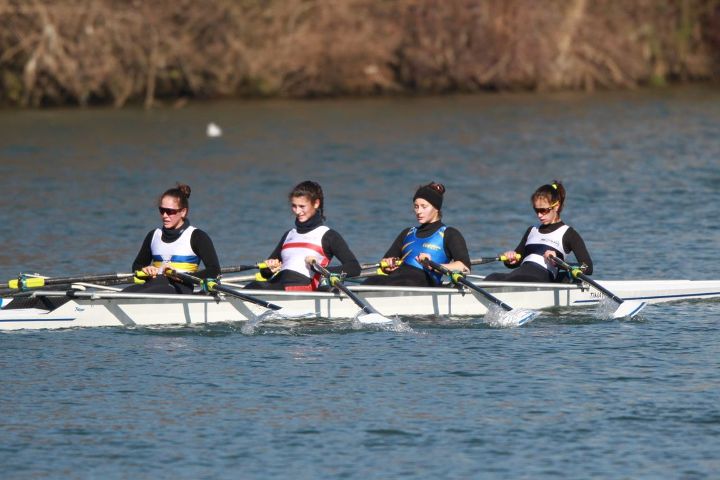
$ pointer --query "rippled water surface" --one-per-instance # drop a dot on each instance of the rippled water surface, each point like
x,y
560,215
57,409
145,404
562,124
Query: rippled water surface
x,y
571,395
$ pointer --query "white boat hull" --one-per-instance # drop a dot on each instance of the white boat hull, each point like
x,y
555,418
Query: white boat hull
x,y
101,308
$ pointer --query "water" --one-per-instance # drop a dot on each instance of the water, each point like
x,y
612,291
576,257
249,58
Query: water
x,y
572,395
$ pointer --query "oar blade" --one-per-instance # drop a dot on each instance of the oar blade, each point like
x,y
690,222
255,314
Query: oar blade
x,y
629,309
373,319
517,317
525,316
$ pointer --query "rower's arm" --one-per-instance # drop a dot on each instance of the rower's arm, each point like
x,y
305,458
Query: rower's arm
x,y
201,244
520,249
335,246
573,242
395,250
144,256
456,249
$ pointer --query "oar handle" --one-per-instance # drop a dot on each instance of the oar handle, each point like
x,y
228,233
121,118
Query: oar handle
x,y
242,268
213,286
458,277
576,272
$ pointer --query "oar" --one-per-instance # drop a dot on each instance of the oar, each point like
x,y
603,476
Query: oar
x,y
242,268
369,315
457,277
214,286
499,258
626,308
25,282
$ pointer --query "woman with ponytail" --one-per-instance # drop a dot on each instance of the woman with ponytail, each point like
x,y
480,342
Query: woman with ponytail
x,y
288,266
552,238
431,239
176,245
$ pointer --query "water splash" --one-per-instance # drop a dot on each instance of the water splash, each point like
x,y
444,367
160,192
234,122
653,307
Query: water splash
x,y
605,308
397,325
498,317
250,327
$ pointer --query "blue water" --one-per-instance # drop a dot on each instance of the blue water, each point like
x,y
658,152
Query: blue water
x,y
572,395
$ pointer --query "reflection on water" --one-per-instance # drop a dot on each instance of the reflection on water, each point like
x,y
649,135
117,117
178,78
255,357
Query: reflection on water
x,y
79,186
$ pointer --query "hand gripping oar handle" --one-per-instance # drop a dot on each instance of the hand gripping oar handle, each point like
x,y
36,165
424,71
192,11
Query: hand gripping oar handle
x,y
213,286
576,272
458,277
336,282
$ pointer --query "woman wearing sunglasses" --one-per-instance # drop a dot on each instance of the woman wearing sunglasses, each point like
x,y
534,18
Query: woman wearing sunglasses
x,y
531,258
176,245
431,239
288,266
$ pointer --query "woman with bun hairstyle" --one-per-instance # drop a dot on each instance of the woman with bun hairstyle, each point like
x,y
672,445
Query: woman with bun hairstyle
x,y
531,259
176,245
288,266
431,239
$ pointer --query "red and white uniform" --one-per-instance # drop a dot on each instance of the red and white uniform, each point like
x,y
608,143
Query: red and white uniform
x,y
298,246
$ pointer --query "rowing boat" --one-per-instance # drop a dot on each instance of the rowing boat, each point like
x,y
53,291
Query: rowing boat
x,y
98,307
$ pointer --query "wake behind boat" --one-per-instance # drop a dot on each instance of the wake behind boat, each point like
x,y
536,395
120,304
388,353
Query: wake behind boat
x,y
97,307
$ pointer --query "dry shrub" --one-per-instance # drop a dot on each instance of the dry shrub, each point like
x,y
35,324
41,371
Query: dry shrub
x,y
100,51
554,44
85,50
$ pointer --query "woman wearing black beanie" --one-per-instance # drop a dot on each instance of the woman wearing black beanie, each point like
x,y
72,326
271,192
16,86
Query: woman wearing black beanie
x,y
431,239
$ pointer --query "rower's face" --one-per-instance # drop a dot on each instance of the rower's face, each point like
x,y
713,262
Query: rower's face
x,y
424,212
303,208
171,213
545,213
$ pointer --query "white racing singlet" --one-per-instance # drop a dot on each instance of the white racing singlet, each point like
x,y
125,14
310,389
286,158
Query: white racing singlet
x,y
297,246
538,243
177,255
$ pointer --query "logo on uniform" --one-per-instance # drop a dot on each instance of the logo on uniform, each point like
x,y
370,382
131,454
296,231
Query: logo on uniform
x,y
431,246
549,240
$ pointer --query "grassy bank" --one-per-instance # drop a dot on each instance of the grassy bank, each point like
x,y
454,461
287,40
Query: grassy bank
x,y
57,52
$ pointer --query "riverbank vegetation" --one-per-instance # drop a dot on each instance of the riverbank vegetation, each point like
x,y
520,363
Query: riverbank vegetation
x,y
58,52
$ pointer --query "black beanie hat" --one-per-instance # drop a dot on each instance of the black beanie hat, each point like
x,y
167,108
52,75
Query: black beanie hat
x,y
431,195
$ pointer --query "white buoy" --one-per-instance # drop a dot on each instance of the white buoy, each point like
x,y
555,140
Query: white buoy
x,y
213,130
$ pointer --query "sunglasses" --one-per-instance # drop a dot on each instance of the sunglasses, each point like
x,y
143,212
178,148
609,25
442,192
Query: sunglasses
x,y
169,211
545,211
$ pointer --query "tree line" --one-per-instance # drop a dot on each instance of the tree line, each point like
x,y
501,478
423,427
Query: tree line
x,y
80,52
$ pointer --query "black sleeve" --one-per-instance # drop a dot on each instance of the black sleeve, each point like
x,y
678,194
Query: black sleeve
x,y
144,256
455,246
335,246
395,250
275,255
202,245
520,249
573,242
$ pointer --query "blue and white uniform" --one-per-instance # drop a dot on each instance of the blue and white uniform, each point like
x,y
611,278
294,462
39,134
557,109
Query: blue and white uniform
x,y
433,246
441,243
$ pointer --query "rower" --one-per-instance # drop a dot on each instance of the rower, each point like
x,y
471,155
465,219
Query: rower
x,y
289,264
176,245
549,239
431,239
